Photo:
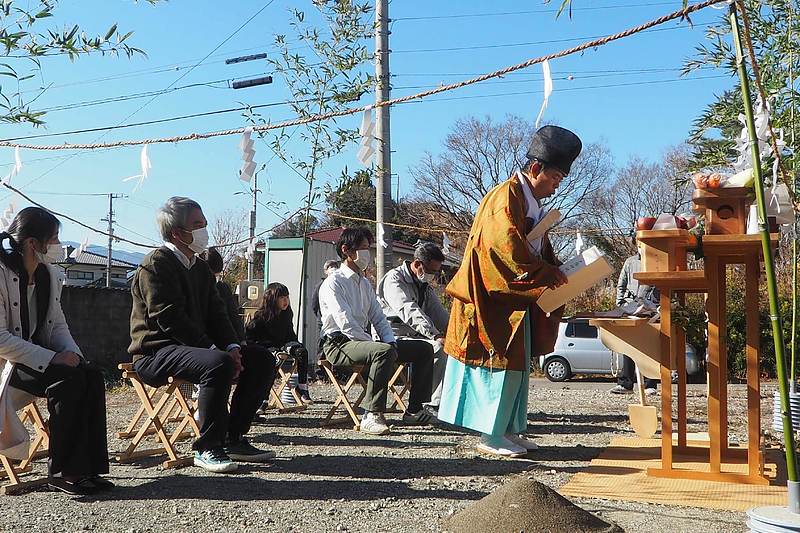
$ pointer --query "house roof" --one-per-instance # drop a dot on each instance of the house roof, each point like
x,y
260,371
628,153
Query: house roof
x,y
90,258
332,235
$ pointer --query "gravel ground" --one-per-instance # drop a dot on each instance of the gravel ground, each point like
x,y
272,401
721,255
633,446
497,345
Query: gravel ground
x,y
340,480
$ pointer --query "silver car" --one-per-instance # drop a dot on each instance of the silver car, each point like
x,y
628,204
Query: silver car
x,y
578,350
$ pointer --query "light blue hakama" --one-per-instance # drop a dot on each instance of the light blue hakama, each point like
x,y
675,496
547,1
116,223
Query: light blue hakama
x,y
494,402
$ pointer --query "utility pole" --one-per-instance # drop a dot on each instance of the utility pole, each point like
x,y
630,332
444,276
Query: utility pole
x,y
110,220
251,252
383,193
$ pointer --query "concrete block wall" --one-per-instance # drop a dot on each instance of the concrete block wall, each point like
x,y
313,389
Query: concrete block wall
x,y
99,320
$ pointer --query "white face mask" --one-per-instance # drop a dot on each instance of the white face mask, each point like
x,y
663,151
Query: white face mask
x,y
427,277
54,254
199,240
362,259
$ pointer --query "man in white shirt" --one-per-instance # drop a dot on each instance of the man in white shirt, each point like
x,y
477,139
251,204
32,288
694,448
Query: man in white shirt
x,y
350,310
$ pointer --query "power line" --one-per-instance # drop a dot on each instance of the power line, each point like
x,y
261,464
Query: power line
x,y
530,12
608,86
172,67
134,96
531,43
156,121
601,71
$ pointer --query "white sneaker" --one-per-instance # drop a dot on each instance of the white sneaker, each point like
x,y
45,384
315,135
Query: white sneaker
x,y
500,446
524,442
374,424
650,391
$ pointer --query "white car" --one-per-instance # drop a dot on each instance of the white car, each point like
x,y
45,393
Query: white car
x,y
578,350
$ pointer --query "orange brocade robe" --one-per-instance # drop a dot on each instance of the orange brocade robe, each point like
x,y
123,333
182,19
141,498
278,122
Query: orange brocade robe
x,y
487,317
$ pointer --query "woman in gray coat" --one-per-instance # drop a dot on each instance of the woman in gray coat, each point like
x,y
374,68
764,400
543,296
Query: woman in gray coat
x,y
39,358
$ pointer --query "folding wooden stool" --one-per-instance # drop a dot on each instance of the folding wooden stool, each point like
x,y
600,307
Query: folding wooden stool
x,y
342,389
38,449
171,408
399,385
275,400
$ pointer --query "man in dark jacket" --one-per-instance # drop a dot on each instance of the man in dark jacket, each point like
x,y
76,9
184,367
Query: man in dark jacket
x,y
180,328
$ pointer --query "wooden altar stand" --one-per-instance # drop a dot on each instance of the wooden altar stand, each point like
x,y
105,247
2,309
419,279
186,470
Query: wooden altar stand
x,y
664,266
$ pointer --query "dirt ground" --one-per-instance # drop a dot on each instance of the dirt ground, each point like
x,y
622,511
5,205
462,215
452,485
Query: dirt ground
x,y
341,480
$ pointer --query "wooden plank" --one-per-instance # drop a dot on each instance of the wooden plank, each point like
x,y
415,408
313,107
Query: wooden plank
x,y
679,345
679,235
725,477
666,381
736,245
713,310
686,280
623,322
723,356
752,273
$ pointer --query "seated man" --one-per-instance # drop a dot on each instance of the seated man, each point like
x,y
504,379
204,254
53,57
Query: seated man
x,y
349,308
414,309
180,328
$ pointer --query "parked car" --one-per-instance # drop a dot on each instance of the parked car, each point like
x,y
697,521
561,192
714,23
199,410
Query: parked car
x,y
578,350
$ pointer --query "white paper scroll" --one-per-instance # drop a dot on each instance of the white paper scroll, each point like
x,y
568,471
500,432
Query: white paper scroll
x,y
445,244
578,243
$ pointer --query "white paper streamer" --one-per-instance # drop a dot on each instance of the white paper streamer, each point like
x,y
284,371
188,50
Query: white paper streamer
x,y
81,248
367,132
7,217
578,243
246,145
251,249
381,240
144,162
16,168
548,90
445,244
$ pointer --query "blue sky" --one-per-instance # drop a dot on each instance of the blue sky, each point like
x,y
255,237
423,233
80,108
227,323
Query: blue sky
x,y
635,113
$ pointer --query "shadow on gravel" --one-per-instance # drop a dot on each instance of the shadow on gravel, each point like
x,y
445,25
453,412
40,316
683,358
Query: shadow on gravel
x,y
399,467
248,488
315,440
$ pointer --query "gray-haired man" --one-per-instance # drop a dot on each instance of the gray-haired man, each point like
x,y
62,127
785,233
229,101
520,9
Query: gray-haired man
x,y
414,310
180,328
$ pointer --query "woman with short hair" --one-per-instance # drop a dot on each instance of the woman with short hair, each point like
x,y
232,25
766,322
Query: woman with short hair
x,y
40,359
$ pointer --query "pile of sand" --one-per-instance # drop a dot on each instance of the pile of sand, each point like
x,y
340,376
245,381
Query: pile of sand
x,y
524,505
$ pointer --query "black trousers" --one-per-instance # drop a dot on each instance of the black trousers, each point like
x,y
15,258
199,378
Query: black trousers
x,y
301,356
627,376
419,353
76,401
213,371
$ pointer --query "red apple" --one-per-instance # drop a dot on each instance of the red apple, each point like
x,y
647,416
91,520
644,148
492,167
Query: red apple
x,y
645,223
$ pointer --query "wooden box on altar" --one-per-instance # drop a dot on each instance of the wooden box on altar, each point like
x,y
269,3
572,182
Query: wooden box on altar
x,y
725,209
663,250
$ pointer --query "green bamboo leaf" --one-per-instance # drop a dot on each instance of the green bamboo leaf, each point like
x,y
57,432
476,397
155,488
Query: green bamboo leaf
x,y
110,32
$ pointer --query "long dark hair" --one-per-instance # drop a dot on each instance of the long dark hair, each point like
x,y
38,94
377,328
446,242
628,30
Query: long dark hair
x,y
268,309
31,222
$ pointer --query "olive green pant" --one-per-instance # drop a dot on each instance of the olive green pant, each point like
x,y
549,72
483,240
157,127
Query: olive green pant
x,y
380,358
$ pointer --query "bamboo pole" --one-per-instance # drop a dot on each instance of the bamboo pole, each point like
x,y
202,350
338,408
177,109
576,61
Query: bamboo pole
x,y
769,261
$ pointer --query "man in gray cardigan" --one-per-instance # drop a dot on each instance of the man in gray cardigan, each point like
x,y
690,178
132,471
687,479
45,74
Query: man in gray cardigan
x,y
414,310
